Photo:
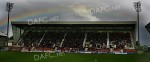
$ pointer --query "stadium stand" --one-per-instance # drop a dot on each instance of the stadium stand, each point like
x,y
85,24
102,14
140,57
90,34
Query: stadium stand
x,y
74,40
52,39
32,39
119,39
97,39
78,36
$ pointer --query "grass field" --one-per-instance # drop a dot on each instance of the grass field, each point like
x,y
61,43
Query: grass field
x,y
70,57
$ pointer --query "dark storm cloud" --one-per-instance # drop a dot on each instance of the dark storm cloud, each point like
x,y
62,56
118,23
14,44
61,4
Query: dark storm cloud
x,y
25,6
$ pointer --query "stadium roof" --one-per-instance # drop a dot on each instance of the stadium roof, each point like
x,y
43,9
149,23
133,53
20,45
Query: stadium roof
x,y
79,22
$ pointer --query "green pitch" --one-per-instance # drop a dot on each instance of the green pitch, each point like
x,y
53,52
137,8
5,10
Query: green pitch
x,y
70,57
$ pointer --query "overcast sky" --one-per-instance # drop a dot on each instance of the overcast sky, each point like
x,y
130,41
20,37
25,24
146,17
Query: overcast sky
x,y
77,10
